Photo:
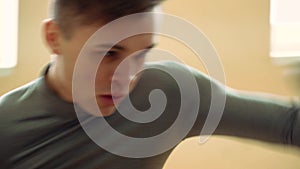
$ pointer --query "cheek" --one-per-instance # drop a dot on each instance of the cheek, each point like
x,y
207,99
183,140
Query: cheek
x,y
69,62
103,77
140,64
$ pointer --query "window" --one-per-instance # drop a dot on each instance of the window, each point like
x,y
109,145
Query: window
x,y
285,29
8,33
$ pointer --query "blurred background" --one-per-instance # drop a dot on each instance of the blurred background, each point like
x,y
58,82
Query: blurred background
x,y
240,32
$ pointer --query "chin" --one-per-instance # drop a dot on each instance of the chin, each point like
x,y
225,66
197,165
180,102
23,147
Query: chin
x,y
107,111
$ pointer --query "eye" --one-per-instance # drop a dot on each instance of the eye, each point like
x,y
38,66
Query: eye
x,y
110,54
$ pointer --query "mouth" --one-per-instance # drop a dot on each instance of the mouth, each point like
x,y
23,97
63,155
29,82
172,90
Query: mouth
x,y
110,100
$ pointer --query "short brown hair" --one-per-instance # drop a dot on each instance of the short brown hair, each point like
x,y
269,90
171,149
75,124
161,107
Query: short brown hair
x,y
70,13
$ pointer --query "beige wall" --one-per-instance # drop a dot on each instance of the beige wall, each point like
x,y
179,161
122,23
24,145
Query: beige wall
x,y
32,54
240,32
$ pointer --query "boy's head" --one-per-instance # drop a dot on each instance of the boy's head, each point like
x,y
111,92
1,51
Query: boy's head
x,y
71,13
73,22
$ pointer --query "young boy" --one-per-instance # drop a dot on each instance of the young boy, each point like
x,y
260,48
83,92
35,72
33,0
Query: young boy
x,y
41,126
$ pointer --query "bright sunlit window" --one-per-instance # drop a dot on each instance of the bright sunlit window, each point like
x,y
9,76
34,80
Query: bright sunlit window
x,y
9,33
285,28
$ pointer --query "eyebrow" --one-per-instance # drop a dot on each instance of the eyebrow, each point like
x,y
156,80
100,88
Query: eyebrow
x,y
119,47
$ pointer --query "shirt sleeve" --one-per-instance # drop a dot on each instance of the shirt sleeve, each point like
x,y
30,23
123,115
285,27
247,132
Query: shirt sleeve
x,y
250,115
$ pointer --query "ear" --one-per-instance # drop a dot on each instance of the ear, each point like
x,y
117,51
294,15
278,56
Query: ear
x,y
51,35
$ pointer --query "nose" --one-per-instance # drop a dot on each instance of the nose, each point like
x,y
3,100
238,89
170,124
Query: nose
x,y
125,71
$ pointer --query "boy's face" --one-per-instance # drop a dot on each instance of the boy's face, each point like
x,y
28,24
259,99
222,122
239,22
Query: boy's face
x,y
130,52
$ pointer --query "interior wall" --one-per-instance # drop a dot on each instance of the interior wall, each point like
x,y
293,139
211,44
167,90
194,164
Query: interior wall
x,y
32,55
239,30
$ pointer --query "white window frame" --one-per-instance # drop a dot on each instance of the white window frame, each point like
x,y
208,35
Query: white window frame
x,y
9,19
285,31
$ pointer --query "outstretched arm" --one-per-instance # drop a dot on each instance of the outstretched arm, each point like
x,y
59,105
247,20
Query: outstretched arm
x,y
250,115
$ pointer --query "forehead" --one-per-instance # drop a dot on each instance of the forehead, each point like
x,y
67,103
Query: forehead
x,y
135,43
132,30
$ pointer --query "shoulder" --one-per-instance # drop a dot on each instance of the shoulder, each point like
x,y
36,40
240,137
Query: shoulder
x,y
17,105
166,65
14,106
171,76
174,75
176,70
174,67
16,97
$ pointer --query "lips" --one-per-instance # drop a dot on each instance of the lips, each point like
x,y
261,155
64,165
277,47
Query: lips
x,y
108,100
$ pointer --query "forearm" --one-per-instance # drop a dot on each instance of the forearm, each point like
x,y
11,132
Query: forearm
x,y
260,117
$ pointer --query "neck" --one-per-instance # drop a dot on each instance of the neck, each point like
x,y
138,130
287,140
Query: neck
x,y
56,82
